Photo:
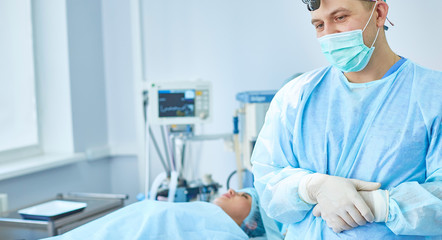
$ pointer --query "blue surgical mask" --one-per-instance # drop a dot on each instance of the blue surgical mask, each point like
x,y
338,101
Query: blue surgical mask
x,y
347,51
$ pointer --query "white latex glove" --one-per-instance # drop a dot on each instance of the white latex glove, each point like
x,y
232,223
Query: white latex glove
x,y
378,202
338,200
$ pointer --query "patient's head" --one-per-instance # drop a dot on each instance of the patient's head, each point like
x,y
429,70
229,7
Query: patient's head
x,y
236,204
243,208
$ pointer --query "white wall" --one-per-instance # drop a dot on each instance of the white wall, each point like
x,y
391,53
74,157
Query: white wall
x,y
416,34
119,76
117,45
239,46
87,79
124,176
90,177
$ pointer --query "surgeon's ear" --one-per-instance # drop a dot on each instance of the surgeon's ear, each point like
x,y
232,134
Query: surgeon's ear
x,y
382,11
252,225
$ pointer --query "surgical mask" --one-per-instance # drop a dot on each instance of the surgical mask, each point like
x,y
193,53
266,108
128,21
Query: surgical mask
x,y
347,51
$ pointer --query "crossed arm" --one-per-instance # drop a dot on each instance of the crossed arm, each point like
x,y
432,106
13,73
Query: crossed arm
x,y
289,192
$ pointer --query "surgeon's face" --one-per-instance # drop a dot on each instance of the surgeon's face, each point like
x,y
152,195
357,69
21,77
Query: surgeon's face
x,y
236,205
335,16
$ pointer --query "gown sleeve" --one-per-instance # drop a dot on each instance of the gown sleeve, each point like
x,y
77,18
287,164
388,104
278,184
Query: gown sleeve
x,y
276,168
416,209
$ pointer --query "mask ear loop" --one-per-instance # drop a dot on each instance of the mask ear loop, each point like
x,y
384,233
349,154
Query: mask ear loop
x,y
374,7
377,34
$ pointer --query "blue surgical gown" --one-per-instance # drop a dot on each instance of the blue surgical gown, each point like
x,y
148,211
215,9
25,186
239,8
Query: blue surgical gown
x,y
386,131
153,220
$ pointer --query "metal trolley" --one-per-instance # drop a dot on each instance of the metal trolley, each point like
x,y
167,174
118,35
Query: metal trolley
x,y
14,227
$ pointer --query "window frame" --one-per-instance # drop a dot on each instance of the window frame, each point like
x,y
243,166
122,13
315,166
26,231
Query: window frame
x,y
19,153
33,149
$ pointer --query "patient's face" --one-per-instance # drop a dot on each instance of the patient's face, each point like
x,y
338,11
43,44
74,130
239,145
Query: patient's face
x,y
236,205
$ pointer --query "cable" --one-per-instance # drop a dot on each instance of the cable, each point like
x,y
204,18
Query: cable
x,y
157,148
233,173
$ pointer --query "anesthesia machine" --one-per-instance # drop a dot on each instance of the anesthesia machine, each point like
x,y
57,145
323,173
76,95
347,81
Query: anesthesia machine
x,y
176,107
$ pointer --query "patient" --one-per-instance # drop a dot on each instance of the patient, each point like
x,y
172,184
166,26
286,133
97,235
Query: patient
x,y
234,215
243,208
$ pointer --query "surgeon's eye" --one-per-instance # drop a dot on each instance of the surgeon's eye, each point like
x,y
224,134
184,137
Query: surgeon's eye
x,y
341,18
319,26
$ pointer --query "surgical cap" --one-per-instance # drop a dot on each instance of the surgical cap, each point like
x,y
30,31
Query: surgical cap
x,y
257,223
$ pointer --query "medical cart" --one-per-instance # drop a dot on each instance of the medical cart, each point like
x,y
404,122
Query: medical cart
x,y
14,227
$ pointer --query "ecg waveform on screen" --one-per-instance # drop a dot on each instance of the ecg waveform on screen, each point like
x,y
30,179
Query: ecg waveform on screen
x,y
175,105
172,109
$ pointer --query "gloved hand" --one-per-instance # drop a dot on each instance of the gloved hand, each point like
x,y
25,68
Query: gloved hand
x,y
378,202
338,200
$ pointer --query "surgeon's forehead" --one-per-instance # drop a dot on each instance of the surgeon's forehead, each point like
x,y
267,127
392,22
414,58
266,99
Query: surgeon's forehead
x,y
333,7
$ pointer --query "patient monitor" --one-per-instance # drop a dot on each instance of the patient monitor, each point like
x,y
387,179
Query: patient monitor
x,y
175,107
179,102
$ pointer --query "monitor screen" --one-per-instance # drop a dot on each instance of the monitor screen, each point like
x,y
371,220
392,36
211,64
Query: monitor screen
x,y
176,103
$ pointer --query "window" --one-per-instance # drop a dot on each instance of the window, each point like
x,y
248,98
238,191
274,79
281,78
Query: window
x,y
18,108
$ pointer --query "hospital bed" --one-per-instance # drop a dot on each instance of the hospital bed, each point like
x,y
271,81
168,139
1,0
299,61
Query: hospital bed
x,y
155,220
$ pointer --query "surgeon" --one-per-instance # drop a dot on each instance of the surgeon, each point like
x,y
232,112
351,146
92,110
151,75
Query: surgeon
x,y
233,216
354,150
